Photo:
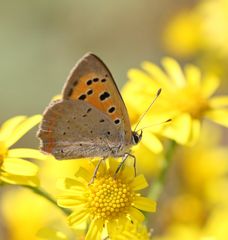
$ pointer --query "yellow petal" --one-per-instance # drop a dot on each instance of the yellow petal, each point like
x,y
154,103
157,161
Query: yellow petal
x,y
84,174
19,167
9,125
218,116
22,129
135,214
141,78
27,153
195,133
50,233
112,226
193,75
145,204
152,142
19,180
157,74
127,173
179,129
174,70
95,230
77,217
216,102
209,85
70,201
69,183
139,183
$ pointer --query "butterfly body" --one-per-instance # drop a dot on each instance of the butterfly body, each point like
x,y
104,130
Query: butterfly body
x,y
91,119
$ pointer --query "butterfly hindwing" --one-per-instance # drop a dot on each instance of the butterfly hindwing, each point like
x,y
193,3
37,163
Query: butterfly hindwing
x,y
75,129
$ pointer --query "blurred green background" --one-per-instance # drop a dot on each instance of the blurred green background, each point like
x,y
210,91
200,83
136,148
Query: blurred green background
x,y
41,41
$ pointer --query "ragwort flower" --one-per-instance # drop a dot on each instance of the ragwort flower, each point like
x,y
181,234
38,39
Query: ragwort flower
x,y
107,203
130,231
186,98
14,169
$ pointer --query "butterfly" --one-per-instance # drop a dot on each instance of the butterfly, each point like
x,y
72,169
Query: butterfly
x,y
91,119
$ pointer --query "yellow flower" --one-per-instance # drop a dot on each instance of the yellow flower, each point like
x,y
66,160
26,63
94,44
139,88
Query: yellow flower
x,y
207,162
185,30
14,169
202,29
186,98
196,203
214,18
109,202
130,231
186,232
25,213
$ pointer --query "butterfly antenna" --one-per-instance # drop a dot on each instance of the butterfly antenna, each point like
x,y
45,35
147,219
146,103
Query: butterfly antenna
x,y
166,121
143,115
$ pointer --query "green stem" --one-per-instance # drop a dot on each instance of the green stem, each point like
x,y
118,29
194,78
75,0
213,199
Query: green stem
x,y
46,195
157,187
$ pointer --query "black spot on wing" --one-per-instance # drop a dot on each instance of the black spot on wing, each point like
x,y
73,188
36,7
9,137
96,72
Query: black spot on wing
x,y
90,92
70,92
89,82
111,109
117,121
75,83
104,96
82,97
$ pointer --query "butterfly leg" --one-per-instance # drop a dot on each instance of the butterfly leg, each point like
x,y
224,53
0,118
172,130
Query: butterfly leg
x,y
121,164
134,163
123,161
96,170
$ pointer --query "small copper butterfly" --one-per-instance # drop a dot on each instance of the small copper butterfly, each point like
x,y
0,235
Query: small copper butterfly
x,y
91,119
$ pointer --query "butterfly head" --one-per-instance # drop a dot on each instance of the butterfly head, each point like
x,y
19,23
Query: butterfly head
x,y
136,137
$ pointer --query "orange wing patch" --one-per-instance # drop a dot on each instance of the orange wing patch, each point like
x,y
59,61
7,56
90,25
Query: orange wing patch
x,y
97,91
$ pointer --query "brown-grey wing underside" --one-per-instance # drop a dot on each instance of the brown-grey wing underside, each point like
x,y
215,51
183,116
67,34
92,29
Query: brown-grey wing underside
x,y
75,129
88,81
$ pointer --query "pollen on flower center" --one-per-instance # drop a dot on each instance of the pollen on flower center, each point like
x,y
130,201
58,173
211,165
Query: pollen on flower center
x,y
109,198
3,151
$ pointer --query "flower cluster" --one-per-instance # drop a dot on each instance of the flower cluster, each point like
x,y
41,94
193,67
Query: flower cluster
x,y
179,191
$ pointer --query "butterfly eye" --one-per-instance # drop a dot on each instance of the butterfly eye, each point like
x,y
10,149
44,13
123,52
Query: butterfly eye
x,y
136,137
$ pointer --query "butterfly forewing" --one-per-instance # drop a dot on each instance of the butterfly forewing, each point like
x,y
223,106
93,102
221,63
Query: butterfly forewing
x,y
91,81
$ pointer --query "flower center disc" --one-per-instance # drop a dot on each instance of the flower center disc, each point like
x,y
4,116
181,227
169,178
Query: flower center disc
x,y
109,198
